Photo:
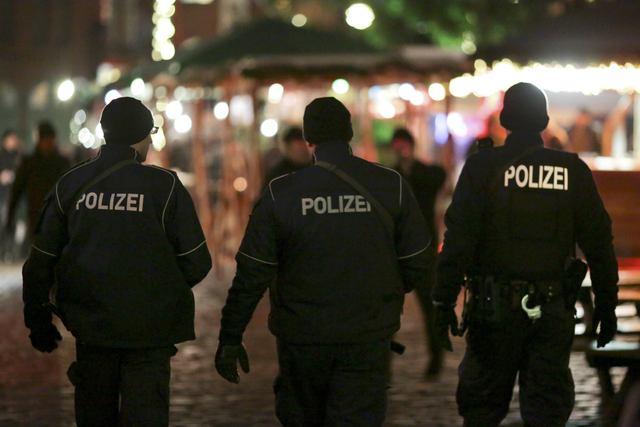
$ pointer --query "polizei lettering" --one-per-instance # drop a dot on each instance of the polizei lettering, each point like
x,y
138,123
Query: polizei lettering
x,y
335,204
541,176
128,202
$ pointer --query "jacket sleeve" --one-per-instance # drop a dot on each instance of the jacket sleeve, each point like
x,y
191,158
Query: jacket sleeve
x,y
257,266
463,220
594,236
412,241
38,272
185,234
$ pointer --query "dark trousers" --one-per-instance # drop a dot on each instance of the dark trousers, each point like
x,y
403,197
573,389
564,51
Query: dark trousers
x,y
537,352
423,294
121,387
332,385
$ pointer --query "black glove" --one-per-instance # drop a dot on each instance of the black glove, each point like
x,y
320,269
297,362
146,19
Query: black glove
x,y
45,339
608,325
227,358
445,320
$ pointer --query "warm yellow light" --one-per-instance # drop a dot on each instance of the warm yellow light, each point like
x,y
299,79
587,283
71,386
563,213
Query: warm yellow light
x,y
66,89
269,128
240,184
437,92
461,87
340,86
221,110
590,80
111,95
167,51
137,87
360,16
386,110
182,124
406,91
174,109
276,91
299,20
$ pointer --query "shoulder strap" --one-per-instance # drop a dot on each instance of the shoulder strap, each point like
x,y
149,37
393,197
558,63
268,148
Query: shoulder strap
x,y
100,177
496,178
385,216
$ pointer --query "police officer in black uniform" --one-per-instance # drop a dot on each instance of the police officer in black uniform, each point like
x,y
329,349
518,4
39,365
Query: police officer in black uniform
x,y
119,246
337,274
516,215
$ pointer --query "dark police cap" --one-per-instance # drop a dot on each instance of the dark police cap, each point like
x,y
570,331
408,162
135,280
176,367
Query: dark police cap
x,y
325,120
126,121
524,108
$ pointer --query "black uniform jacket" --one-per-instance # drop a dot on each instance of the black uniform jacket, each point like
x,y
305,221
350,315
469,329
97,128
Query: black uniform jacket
x,y
123,255
336,274
521,219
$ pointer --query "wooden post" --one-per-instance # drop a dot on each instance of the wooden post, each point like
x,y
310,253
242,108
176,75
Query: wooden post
x,y
449,154
367,146
200,169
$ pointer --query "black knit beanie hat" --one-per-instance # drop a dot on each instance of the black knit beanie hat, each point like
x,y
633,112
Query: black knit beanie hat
x,y
524,108
325,120
126,121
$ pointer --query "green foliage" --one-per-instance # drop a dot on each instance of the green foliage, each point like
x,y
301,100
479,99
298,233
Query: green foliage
x,y
442,22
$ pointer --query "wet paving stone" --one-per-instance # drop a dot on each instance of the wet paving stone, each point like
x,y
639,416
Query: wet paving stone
x,y
34,390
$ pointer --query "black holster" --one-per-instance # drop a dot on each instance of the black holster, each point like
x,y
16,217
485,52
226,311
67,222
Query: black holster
x,y
488,301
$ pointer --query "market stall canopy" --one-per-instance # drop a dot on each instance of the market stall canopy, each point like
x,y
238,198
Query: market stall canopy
x,y
600,32
270,47
276,44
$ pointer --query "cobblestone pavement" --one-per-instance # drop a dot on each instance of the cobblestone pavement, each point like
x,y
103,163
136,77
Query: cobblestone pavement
x,y
34,390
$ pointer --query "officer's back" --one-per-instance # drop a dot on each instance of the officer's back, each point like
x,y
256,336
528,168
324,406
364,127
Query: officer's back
x,y
529,209
125,266
338,262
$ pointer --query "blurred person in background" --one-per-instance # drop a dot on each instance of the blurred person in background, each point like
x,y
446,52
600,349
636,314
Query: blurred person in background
x,y
9,157
426,182
296,155
582,137
35,177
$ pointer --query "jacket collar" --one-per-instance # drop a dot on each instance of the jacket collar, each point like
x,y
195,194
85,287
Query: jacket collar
x,y
332,152
116,152
523,139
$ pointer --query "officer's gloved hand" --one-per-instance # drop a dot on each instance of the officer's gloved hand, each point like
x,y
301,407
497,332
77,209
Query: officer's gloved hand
x,y
227,358
445,320
608,324
45,338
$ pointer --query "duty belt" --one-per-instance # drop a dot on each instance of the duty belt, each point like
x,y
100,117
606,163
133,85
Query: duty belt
x,y
518,294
